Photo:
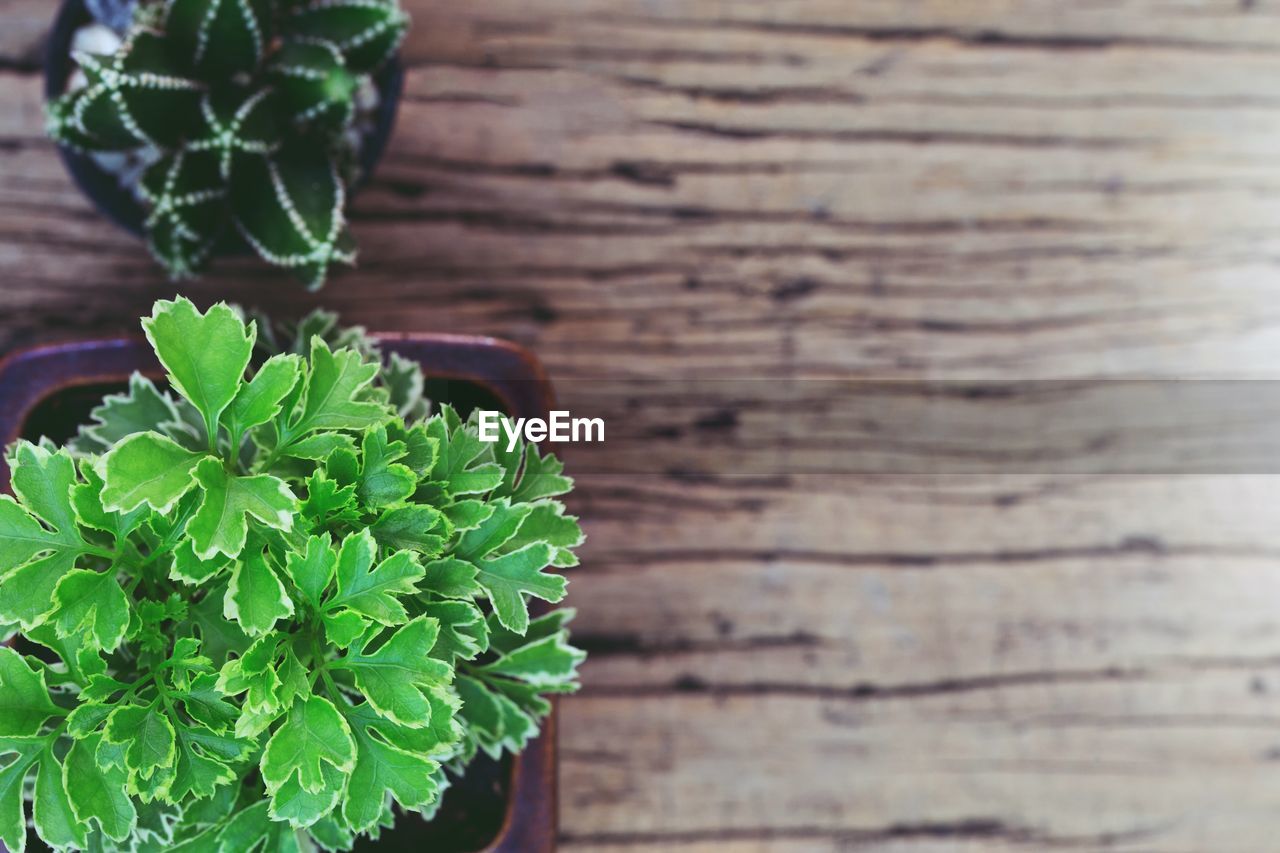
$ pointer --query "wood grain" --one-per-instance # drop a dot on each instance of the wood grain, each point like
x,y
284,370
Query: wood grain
x,y
773,191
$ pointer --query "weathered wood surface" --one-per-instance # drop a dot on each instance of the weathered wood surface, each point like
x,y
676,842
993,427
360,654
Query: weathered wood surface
x,y
801,188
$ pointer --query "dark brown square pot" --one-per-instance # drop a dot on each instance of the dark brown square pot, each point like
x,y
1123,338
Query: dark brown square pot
x,y
507,806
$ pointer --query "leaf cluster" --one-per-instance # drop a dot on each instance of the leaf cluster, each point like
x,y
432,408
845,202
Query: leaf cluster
x,y
260,610
247,108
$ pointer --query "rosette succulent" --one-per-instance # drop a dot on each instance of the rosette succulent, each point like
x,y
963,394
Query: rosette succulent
x,y
270,607
246,108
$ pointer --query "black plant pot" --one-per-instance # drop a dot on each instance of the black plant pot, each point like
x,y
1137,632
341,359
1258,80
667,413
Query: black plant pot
x,y
118,204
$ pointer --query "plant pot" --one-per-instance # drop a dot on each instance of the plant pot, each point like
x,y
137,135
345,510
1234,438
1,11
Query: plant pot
x,y
119,204
508,805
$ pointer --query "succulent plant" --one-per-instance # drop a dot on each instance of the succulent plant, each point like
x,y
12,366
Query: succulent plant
x,y
245,106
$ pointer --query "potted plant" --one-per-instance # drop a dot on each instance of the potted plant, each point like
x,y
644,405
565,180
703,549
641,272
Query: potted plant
x,y
278,604
219,126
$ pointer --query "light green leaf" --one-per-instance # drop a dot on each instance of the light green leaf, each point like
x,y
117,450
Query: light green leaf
x,y
255,597
342,628
383,481
24,698
494,532
140,409
312,569
221,523
313,735
190,569
205,354
463,633
548,661
51,811
13,828
92,604
451,578
373,592
399,676
463,462
546,522
505,578
43,481
147,736
382,769
335,383
98,793
86,497
320,445
416,527
295,805
147,468
258,401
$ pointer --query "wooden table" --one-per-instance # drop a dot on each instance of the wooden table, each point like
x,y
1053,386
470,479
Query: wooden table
x,y
780,189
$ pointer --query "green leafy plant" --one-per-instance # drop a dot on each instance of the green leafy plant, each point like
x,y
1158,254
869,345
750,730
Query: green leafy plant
x,y
246,106
263,608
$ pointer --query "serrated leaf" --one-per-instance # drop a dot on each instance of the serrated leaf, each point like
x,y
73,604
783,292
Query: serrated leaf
x,y
293,804
205,703
528,475
494,532
93,605
545,662
221,523
383,481
313,736
507,578
51,810
147,468
382,770
463,462
467,514
147,736
451,578
219,636
546,522
86,498
342,628
463,633
190,569
259,400
329,502
398,678
205,354
256,598
13,829
24,698
320,446
333,388
415,527
142,408
312,569
98,793
369,591
43,481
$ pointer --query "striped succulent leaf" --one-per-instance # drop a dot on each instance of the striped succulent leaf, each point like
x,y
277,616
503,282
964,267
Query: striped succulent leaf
x,y
233,122
315,84
288,206
368,32
61,125
133,98
224,37
187,199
